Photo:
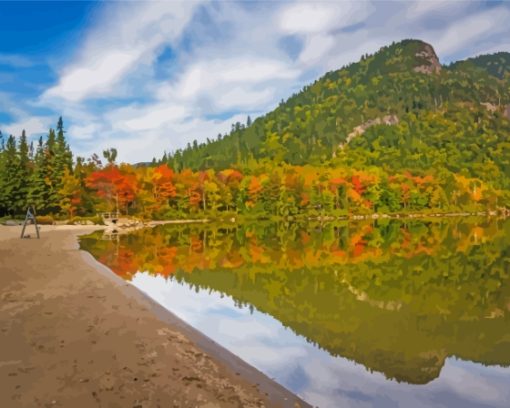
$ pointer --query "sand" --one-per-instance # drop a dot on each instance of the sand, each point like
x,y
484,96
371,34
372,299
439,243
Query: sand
x,y
73,334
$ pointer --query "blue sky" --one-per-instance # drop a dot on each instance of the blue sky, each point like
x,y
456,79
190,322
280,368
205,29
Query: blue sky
x,y
145,77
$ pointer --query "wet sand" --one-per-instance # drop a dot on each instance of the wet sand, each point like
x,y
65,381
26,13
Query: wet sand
x,y
73,334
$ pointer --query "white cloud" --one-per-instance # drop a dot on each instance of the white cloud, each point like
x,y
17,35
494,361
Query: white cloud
x,y
319,17
307,18
97,77
243,98
350,49
472,29
34,125
213,77
420,9
489,48
128,35
85,132
149,117
316,47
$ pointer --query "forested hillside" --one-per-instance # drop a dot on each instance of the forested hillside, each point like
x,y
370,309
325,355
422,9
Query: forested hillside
x,y
398,109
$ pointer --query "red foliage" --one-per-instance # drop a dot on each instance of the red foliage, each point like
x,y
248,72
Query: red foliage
x,y
357,185
112,184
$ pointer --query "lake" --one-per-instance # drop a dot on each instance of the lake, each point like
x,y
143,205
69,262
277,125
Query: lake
x,y
386,313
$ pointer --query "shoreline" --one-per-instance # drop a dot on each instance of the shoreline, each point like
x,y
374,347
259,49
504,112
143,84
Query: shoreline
x,y
405,216
329,218
122,229
75,334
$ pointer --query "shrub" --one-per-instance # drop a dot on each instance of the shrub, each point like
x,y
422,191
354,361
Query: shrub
x,y
45,220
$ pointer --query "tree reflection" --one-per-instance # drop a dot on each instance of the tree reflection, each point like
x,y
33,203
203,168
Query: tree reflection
x,y
396,296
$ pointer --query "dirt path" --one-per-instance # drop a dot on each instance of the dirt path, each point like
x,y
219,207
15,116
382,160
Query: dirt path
x,y
75,335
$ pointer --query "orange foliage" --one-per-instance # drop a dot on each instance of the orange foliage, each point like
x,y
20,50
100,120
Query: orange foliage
x,y
162,180
110,183
254,188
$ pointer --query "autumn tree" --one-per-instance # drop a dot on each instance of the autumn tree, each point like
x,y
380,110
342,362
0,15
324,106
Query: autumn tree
x,y
70,193
116,188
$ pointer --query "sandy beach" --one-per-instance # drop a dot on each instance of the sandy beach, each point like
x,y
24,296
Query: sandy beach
x,y
73,334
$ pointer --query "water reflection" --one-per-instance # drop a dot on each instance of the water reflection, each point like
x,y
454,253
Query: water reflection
x,y
385,307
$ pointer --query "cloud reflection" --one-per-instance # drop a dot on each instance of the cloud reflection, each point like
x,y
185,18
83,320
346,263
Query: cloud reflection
x,y
312,373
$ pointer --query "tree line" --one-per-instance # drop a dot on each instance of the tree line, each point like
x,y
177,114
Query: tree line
x,y
46,176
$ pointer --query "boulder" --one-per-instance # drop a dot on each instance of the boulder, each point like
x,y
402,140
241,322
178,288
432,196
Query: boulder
x,y
12,223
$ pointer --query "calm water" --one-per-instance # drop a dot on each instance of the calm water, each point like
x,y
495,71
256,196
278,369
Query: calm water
x,y
384,314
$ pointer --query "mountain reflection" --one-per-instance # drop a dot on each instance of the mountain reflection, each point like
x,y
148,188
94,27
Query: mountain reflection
x,y
398,297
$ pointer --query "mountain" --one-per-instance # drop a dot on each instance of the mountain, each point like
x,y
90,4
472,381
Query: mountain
x,y
398,109
497,65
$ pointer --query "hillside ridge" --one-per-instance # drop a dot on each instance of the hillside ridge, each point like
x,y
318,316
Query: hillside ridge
x,y
343,119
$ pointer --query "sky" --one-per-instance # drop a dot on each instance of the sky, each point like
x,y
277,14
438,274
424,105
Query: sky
x,y
148,77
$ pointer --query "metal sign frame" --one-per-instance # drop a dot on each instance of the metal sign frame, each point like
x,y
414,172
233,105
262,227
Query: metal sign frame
x,y
30,217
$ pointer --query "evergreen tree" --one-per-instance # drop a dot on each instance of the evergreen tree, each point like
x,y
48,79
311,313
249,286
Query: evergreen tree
x,y
64,156
11,180
87,202
3,206
51,173
62,160
31,151
38,193
23,175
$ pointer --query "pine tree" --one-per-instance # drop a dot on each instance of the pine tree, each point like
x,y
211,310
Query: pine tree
x,y
88,200
46,178
64,156
52,175
11,180
3,206
38,185
62,164
23,174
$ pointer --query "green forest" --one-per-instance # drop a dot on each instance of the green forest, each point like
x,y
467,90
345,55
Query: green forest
x,y
396,132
